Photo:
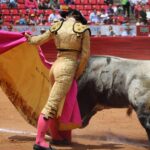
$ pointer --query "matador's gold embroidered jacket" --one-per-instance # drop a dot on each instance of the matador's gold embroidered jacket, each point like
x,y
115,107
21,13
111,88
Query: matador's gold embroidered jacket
x,y
68,35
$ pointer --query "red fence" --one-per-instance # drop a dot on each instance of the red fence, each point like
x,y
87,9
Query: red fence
x,y
127,47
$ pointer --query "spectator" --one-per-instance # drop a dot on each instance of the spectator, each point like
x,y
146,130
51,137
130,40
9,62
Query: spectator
x,y
104,16
1,19
31,4
148,14
44,4
49,4
68,2
111,19
119,10
32,20
110,10
133,3
54,4
120,19
93,17
126,7
138,22
99,33
144,2
10,27
3,1
53,16
128,31
137,9
107,2
143,15
12,3
99,17
22,20
41,19
111,31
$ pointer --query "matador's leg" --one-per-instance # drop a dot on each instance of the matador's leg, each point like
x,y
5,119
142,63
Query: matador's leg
x,y
63,75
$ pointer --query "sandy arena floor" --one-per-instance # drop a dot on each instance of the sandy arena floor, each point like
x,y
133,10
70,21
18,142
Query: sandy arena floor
x,y
108,130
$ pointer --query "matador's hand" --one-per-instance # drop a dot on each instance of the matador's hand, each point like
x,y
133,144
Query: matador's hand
x,y
27,36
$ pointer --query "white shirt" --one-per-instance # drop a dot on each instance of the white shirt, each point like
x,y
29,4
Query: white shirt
x,y
53,17
93,17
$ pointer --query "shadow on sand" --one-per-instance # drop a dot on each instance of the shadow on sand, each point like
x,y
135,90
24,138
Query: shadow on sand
x,y
106,141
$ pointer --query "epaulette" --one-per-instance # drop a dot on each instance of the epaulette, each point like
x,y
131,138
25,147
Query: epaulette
x,y
56,26
80,28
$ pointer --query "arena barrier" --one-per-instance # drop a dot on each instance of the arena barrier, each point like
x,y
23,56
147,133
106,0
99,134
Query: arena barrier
x,y
128,47
95,29
137,47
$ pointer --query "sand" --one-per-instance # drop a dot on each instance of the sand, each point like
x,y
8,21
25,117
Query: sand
x,y
108,130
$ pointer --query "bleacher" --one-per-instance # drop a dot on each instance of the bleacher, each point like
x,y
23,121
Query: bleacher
x,y
85,6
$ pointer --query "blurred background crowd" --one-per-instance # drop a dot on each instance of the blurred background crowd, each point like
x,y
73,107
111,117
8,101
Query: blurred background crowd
x,y
97,12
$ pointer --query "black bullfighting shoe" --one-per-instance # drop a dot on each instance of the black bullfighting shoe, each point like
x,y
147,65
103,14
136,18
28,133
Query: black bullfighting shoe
x,y
60,142
38,147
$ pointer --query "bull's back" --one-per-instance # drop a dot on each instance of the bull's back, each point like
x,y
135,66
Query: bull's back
x,y
107,78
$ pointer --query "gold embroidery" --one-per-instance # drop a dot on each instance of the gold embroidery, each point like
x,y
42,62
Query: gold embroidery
x,y
56,26
80,28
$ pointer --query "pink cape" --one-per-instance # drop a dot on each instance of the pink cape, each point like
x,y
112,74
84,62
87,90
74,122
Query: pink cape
x,y
71,113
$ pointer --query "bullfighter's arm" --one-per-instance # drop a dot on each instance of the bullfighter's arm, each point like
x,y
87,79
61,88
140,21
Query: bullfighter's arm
x,y
40,39
85,53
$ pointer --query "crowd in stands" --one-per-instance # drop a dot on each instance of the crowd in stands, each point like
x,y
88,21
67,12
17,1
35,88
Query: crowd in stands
x,y
99,12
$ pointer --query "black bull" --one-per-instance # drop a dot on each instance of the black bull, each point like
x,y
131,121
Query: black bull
x,y
112,82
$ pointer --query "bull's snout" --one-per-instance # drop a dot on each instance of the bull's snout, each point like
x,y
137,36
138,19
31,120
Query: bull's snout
x,y
86,119
145,121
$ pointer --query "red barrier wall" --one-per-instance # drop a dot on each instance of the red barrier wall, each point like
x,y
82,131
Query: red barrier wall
x,y
127,47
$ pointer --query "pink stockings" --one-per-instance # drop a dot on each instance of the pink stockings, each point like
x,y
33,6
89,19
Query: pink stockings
x,y
59,135
42,128
44,125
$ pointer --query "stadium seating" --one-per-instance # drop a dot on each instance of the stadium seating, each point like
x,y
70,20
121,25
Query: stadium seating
x,y
21,6
77,1
97,7
85,6
84,2
72,6
16,18
7,18
22,11
3,6
93,2
14,11
20,1
79,7
5,11
61,1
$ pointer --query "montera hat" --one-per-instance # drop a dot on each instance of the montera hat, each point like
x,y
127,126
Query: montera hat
x,y
75,13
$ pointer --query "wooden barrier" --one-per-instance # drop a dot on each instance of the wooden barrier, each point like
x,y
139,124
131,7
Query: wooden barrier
x,y
127,47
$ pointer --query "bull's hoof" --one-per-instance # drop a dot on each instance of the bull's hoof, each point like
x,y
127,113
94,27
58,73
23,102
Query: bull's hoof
x,y
60,142
38,147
